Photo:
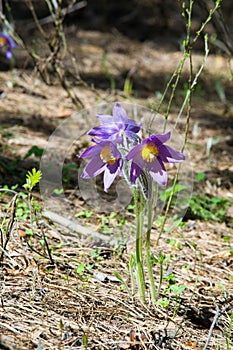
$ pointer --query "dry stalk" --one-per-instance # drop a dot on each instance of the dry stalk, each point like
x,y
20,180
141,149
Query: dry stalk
x,y
57,46
215,320
9,228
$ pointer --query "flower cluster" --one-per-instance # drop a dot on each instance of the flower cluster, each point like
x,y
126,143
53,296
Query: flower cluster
x,y
7,43
116,142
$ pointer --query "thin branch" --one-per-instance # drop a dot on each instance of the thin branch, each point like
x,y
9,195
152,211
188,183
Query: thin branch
x,y
215,320
50,19
73,226
9,227
195,80
47,246
34,15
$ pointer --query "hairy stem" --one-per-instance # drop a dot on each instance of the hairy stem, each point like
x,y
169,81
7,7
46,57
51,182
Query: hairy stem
x,y
148,252
139,262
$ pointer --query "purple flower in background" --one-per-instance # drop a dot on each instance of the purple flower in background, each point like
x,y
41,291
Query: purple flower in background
x,y
7,42
114,127
106,158
152,153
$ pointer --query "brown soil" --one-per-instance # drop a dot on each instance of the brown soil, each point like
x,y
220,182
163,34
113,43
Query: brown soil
x,y
47,302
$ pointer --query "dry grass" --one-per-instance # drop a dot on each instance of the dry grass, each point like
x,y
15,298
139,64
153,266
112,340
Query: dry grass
x,y
46,303
64,303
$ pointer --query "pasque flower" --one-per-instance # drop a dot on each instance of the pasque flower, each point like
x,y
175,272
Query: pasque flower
x,y
114,127
6,42
104,157
151,155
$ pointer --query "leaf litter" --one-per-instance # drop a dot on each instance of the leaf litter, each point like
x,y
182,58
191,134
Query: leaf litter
x,y
72,302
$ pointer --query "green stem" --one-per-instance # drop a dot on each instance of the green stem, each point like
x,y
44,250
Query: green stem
x,y
160,277
140,271
131,271
141,220
148,252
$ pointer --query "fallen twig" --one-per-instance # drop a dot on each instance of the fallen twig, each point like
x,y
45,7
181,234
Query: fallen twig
x,y
73,226
216,317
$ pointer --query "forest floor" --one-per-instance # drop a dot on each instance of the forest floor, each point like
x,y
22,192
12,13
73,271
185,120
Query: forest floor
x,y
71,298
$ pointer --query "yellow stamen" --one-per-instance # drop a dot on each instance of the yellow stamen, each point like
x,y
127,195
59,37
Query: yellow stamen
x,y
106,155
149,152
3,41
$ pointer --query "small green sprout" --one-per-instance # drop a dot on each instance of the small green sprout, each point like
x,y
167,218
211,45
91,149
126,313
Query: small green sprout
x,y
32,179
84,214
34,150
164,302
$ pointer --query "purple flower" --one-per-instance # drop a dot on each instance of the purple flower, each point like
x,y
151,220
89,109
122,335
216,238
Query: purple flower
x,y
151,154
114,127
106,158
7,42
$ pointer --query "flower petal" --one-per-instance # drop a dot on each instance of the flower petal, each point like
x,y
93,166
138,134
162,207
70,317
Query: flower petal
x,y
119,114
137,163
11,42
109,177
158,172
105,118
93,168
90,152
158,139
8,40
132,137
170,155
135,172
135,152
103,131
113,127
114,151
132,126
8,54
160,177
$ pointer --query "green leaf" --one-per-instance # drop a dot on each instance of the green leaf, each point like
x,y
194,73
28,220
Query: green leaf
x,y
206,208
32,179
29,232
84,213
164,195
177,289
131,207
58,191
80,269
163,302
128,87
34,150
200,177
121,279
